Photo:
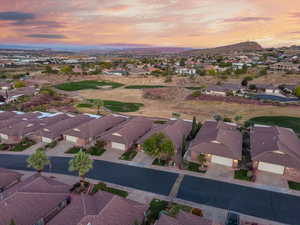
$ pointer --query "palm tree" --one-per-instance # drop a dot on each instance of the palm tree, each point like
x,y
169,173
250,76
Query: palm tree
x,y
81,163
38,160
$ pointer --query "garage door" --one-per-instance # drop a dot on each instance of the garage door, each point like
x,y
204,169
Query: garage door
x,y
4,136
222,160
71,139
46,140
268,167
116,145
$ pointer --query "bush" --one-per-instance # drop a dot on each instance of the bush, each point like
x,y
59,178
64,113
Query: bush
x,y
129,155
73,150
196,93
19,84
103,187
51,145
197,212
156,206
24,144
96,150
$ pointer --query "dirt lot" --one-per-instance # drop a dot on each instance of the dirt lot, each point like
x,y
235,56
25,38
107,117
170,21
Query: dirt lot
x,y
202,109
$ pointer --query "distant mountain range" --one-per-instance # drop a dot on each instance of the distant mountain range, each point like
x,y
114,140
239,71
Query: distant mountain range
x,y
239,47
136,49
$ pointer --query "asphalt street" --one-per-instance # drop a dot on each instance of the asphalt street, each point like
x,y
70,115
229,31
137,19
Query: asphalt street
x,y
266,204
269,205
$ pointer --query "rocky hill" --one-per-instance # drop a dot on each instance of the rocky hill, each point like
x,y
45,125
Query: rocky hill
x,y
240,47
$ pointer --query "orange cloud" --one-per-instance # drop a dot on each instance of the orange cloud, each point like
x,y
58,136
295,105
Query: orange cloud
x,y
191,23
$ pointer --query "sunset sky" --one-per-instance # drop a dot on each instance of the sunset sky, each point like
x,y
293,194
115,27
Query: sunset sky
x,y
182,23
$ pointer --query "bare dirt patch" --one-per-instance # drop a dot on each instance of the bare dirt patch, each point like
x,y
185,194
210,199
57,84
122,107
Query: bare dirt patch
x,y
201,109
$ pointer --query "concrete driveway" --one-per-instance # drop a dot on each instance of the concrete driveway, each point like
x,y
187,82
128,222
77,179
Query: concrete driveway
x,y
271,179
59,149
220,172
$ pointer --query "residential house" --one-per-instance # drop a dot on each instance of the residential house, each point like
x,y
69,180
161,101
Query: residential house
x,y
267,88
115,72
34,201
185,71
285,66
223,89
8,178
125,136
85,133
175,130
183,218
138,71
55,131
6,115
219,141
5,86
274,149
15,132
102,208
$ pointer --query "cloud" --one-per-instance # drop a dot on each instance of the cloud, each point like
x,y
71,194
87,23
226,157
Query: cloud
x,y
46,36
247,19
16,16
295,14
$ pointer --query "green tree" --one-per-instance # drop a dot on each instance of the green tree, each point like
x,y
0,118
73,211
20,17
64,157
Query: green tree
x,y
66,70
159,146
99,104
38,160
82,163
12,222
237,118
19,84
297,91
195,128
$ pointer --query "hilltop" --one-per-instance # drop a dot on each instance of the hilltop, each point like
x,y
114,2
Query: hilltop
x,y
239,47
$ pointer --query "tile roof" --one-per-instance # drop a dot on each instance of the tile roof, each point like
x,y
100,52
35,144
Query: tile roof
x,y
8,177
183,218
129,132
25,127
7,115
218,138
95,127
58,129
103,208
174,129
276,145
31,199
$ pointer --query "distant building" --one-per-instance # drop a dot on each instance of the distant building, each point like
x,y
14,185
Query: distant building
x,y
285,66
185,71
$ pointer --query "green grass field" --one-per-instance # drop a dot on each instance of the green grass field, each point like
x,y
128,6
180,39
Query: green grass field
x,y
86,84
282,121
114,106
144,86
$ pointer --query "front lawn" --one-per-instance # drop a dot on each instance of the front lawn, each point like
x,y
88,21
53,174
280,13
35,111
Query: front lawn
x,y
129,155
144,86
194,167
51,145
24,144
294,185
159,162
242,175
282,121
86,84
85,105
158,206
95,150
103,187
116,106
73,150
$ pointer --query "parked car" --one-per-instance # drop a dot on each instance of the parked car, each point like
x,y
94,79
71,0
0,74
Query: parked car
x,y
232,219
